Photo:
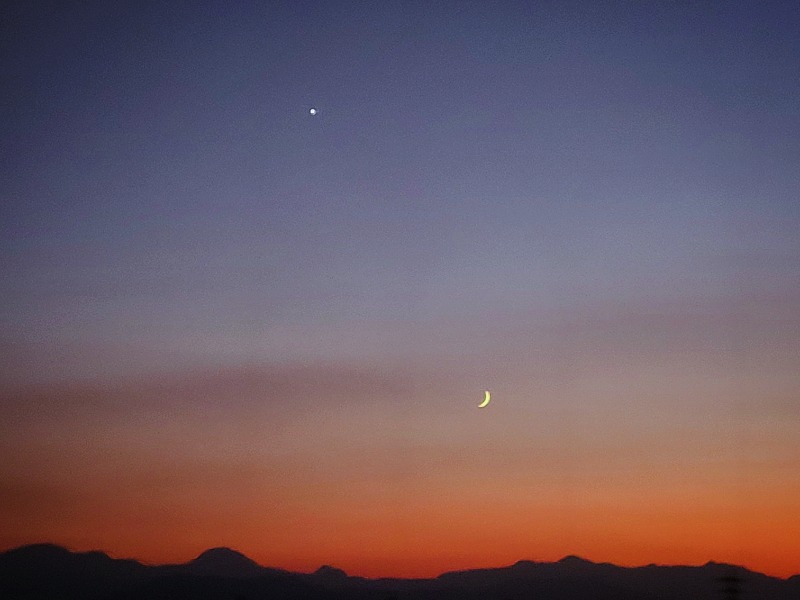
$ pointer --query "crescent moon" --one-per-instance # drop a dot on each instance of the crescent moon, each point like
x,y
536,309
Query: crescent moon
x,y
486,398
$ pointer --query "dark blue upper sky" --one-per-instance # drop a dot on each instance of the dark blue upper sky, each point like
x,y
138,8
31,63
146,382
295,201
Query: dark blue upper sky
x,y
163,180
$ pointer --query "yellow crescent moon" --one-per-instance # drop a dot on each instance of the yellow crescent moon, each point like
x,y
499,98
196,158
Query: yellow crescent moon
x,y
487,397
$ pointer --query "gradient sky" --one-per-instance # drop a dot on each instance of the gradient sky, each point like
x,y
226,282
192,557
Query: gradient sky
x,y
224,321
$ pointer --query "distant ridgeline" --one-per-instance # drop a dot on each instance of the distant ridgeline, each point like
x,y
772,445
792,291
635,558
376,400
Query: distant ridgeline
x,y
48,572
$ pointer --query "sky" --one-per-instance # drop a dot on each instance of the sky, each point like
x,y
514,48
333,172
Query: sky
x,y
225,321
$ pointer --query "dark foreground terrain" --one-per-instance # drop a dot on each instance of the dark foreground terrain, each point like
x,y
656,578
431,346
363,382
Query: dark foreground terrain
x,y
48,572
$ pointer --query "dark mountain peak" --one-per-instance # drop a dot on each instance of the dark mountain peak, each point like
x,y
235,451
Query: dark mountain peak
x,y
221,553
525,566
46,570
52,554
727,570
39,551
329,572
224,562
575,561
721,565
48,556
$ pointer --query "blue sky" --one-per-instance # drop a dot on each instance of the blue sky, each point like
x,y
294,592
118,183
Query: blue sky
x,y
163,175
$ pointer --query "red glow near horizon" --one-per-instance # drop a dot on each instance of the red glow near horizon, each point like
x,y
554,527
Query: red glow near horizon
x,y
380,493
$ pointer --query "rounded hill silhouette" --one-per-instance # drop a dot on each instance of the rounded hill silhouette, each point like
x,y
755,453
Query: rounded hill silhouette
x,y
224,562
331,573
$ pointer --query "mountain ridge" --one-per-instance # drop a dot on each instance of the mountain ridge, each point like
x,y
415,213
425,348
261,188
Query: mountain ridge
x,y
52,572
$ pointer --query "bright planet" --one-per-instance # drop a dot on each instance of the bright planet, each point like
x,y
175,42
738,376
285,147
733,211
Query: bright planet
x,y
313,111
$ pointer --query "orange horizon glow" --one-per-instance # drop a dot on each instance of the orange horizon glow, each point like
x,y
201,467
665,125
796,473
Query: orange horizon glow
x,y
380,505
397,473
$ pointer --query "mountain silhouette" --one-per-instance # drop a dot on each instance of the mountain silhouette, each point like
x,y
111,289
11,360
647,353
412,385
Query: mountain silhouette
x,y
330,573
45,571
224,562
50,572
